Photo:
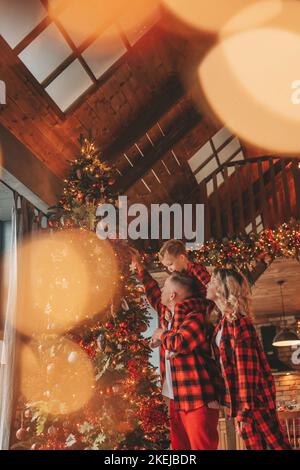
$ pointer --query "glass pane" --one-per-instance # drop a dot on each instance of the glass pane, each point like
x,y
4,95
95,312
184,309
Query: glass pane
x,y
81,19
203,154
229,150
210,184
104,52
207,170
69,85
139,20
220,137
6,201
45,53
18,18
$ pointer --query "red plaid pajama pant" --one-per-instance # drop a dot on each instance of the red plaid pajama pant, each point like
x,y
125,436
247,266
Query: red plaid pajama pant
x,y
261,430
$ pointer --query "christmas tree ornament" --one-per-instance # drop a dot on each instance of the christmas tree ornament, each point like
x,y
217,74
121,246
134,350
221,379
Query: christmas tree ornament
x,y
35,446
101,342
124,305
72,357
52,431
22,434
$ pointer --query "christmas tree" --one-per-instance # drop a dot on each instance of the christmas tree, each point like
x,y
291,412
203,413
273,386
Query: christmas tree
x,y
124,408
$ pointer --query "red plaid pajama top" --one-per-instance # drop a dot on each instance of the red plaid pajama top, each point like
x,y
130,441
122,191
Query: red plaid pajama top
x,y
196,379
248,379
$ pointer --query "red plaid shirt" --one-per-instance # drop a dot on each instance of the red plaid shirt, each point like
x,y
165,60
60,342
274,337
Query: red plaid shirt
x,y
195,376
248,379
200,274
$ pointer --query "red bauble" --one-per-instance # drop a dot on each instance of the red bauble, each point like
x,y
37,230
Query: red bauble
x,y
22,434
35,446
143,328
53,431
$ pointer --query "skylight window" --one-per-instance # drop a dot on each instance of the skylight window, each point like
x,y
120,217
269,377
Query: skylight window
x,y
69,85
203,154
45,53
104,52
207,169
221,137
69,45
81,19
225,154
224,147
19,18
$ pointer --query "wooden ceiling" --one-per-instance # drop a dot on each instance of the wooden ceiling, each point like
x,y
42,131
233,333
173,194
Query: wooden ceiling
x,y
266,299
144,117
266,292
147,115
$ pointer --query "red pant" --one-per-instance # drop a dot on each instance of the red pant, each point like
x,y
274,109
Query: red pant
x,y
195,429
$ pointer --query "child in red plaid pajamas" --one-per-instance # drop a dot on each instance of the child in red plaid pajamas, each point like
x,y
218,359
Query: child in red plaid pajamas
x,y
174,257
250,389
195,383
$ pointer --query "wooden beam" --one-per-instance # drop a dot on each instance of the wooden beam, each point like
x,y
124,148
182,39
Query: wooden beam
x,y
30,171
190,119
147,118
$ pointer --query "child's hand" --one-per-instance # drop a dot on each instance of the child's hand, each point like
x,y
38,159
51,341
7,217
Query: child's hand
x,y
136,258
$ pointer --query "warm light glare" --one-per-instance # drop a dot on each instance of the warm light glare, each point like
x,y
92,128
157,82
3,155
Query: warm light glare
x,y
64,278
85,19
56,375
249,82
211,16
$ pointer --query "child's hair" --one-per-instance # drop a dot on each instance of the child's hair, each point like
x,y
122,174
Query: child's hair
x,y
172,247
234,293
185,281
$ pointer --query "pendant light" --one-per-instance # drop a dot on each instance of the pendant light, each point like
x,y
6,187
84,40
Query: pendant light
x,y
285,337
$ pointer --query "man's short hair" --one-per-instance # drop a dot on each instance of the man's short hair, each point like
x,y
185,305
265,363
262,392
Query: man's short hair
x,y
186,282
172,247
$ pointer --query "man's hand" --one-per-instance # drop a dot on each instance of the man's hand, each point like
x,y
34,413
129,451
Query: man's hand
x,y
157,335
136,258
154,344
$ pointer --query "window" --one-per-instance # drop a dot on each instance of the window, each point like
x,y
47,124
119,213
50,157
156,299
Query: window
x,y
104,52
69,85
19,18
45,53
222,148
73,37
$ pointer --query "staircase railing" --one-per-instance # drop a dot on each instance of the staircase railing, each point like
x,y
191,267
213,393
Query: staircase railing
x,y
257,192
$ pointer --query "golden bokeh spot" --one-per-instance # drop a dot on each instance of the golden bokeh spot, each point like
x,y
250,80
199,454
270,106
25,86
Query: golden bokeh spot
x,y
249,79
56,375
207,16
65,278
83,19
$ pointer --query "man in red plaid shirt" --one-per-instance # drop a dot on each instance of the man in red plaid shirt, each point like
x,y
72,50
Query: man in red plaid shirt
x,y
189,375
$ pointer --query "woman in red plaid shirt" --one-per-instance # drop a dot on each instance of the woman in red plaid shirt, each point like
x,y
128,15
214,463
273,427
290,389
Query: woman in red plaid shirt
x,y
250,388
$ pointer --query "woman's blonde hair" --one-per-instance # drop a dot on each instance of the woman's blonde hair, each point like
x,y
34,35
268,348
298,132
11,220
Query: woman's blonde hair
x,y
233,293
